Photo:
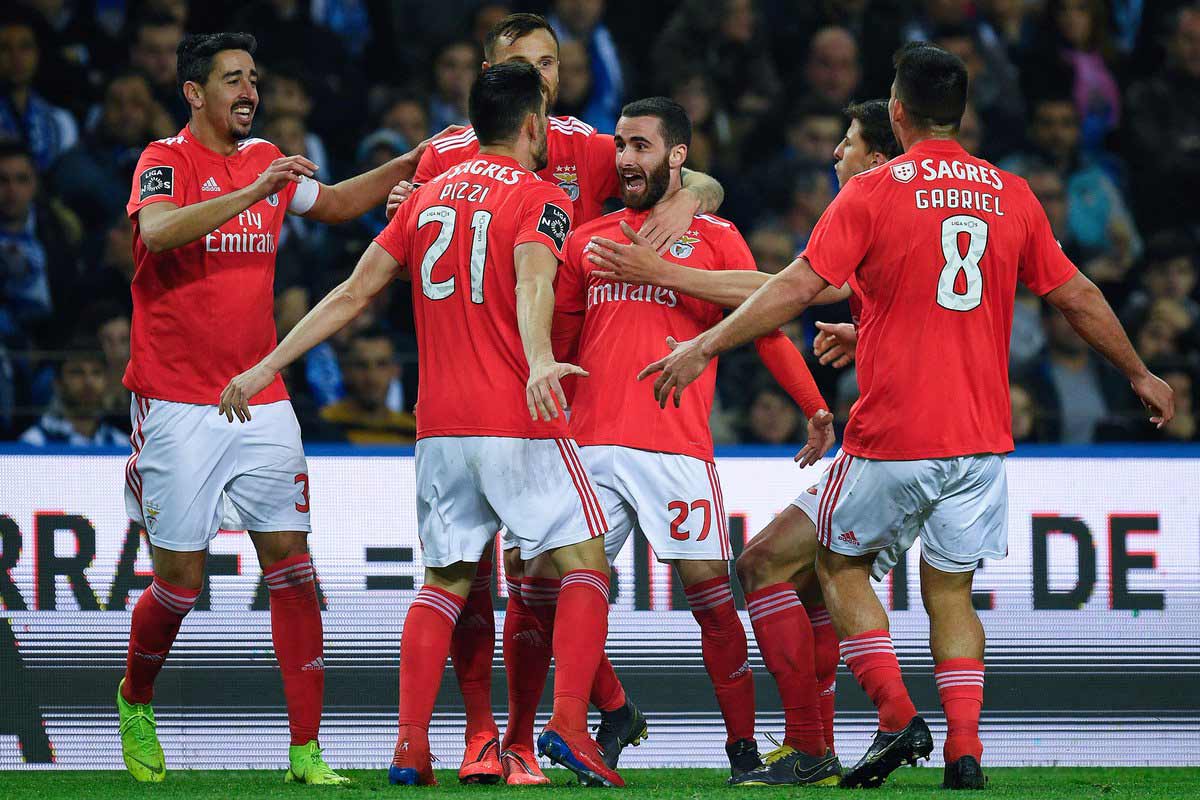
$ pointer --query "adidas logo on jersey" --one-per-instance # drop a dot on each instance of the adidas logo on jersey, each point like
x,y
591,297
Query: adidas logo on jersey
x,y
317,663
849,538
210,185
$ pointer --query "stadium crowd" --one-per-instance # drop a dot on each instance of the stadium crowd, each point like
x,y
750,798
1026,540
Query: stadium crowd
x,y
1095,102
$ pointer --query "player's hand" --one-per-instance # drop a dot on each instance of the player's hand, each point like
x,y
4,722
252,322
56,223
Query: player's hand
x,y
635,262
235,399
820,439
1157,396
544,392
282,171
669,220
835,343
399,193
686,361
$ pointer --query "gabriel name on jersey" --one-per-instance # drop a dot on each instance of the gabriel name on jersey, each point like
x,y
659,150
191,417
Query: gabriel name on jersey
x,y
952,169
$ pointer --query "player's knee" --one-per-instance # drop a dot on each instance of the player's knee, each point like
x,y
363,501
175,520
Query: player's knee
x,y
748,566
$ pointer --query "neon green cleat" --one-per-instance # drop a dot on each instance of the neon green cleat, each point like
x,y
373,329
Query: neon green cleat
x,y
139,741
307,766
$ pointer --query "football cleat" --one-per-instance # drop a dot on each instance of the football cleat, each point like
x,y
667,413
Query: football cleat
x,y
579,753
521,767
412,764
481,761
965,773
888,752
787,766
619,729
743,756
305,765
139,740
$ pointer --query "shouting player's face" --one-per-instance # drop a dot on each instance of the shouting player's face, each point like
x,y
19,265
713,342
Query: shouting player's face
x,y
643,161
230,95
854,155
537,48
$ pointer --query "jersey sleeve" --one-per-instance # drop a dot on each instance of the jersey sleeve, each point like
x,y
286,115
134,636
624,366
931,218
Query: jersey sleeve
x,y
1044,266
545,217
571,286
789,368
159,177
841,236
735,253
602,166
429,167
394,236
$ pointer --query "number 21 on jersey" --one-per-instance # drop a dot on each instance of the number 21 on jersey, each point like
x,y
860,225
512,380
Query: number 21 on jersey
x,y
447,217
965,293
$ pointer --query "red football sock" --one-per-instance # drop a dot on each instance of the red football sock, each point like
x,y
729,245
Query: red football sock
x,y
872,658
785,640
578,647
723,644
960,685
607,692
527,653
825,661
299,643
156,619
424,646
471,650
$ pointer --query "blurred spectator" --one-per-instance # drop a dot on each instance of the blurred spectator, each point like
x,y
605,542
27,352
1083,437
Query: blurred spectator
x,y
580,21
712,131
811,134
1184,427
772,247
153,41
76,415
284,93
487,16
1075,32
1024,414
112,323
811,195
454,70
39,257
575,87
349,19
723,39
369,367
407,115
970,132
93,178
1169,274
1098,222
1075,390
1165,330
773,418
1012,25
290,134
25,115
832,71
1164,130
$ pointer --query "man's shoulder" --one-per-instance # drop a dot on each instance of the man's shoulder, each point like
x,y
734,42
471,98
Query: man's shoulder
x,y
570,126
459,145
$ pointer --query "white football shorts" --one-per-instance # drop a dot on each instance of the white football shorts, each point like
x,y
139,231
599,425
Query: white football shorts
x,y
957,506
469,486
192,472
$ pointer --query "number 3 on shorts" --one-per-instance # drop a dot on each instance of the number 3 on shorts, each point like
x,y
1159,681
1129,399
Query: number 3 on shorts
x,y
956,263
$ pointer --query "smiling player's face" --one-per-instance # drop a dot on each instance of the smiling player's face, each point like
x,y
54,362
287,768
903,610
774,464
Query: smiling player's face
x,y
539,49
231,93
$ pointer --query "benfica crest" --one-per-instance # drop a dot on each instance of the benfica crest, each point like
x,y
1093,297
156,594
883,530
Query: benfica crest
x,y
568,181
684,246
905,171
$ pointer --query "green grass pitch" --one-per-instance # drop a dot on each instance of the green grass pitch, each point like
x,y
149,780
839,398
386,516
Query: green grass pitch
x,y
686,784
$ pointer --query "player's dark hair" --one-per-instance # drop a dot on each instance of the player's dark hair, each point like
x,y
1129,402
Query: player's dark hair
x,y
674,122
932,84
196,53
501,97
876,126
514,27
151,19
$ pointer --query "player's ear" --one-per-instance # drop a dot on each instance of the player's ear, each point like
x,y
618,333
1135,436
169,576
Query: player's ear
x,y
677,156
193,93
877,158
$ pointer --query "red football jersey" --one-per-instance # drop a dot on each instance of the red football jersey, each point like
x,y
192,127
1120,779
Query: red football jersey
x,y
934,243
580,161
625,327
456,236
204,312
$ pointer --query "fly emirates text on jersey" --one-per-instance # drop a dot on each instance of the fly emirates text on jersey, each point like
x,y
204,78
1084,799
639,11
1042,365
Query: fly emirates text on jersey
x,y
247,236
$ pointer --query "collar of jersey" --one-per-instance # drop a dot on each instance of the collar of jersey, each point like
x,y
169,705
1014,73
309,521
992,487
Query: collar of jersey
x,y
210,154
937,146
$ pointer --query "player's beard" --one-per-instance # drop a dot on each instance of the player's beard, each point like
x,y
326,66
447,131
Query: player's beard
x,y
539,153
238,128
654,187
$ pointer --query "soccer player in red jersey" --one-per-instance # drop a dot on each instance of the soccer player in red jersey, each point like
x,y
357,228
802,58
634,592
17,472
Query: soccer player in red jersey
x,y
483,241
207,205
656,472
777,564
580,161
934,242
